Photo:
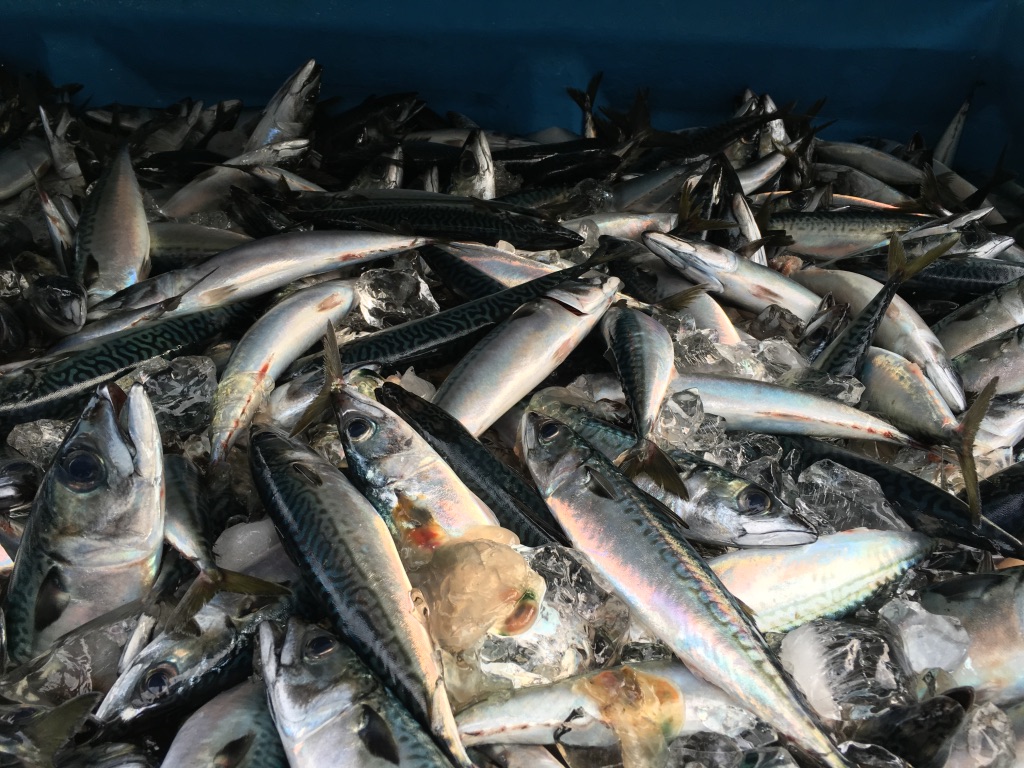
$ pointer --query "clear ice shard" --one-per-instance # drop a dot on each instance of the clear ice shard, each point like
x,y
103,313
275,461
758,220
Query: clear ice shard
x,y
835,498
929,641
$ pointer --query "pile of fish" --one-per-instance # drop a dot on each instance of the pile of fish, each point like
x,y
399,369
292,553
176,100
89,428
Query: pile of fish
x,y
372,437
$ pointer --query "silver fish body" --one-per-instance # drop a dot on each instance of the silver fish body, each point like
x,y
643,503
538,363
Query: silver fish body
x,y
329,708
785,587
94,539
518,354
640,553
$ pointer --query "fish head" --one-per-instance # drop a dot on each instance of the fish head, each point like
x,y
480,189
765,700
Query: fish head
x,y
311,676
373,436
701,267
60,302
745,514
473,175
553,452
174,668
105,487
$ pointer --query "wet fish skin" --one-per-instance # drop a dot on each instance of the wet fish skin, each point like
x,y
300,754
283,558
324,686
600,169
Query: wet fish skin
x,y
785,587
59,302
511,498
329,708
741,281
290,109
563,713
94,540
270,345
112,237
58,388
762,407
1001,355
982,319
537,338
181,670
473,175
831,234
651,565
416,493
256,268
356,574
234,727
987,605
923,506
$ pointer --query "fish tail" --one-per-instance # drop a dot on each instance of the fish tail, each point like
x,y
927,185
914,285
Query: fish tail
x,y
900,270
53,729
208,584
963,444
333,374
646,458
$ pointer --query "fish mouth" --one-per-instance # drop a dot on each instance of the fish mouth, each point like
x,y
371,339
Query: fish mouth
x,y
267,642
684,258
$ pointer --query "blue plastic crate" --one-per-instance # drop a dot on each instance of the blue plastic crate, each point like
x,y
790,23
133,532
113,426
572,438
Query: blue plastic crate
x,y
887,68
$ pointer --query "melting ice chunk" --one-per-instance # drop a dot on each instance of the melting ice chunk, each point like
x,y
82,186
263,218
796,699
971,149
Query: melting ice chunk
x,y
929,641
836,498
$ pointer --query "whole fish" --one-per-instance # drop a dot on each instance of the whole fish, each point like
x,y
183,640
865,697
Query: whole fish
x,y
831,234
354,568
758,406
330,709
629,540
112,239
94,540
255,268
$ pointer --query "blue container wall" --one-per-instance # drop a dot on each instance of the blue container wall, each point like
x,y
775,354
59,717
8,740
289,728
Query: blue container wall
x,y
888,68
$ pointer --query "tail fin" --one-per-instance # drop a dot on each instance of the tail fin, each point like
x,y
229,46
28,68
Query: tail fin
x,y
208,583
646,458
51,730
333,372
898,267
966,432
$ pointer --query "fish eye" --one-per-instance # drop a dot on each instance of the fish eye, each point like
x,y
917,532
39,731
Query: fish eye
x,y
319,646
52,301
82,469
548,430
754,501
359,429
468,164
158,680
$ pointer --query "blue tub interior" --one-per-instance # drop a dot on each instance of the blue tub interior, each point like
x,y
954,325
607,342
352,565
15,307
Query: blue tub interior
x,y
887,68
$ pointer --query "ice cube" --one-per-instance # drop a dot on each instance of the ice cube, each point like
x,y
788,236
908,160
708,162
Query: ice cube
x,y
929,641
779,357
241,544
711,750
776,322
845,389
770,757
985,740
848,671
182,395
389,297
836,498
697,353
39,440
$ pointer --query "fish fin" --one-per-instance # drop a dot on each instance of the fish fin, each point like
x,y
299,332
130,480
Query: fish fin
x,y
646,458
207,584
609,249
234,752
746,609
903,271
683,299
332,373
966,432
690,219
51,599
376,735
52,730
773,238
